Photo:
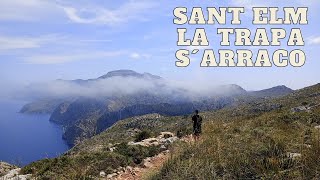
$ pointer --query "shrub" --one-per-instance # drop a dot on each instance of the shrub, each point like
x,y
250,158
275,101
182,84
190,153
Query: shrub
x,y
142,135
106,162
167,136
311,159
183,132
136,154
78,167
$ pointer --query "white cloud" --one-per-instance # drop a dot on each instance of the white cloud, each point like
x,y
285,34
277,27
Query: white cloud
x,y
272,3
248,3
191,48
131,10
117,85
95,40
76,56
314,40
28,10
140,56
37,10
54,49
101,87
308,2
135,56
10,42
49,41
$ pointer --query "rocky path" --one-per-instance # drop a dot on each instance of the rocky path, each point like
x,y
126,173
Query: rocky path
x,y
149,166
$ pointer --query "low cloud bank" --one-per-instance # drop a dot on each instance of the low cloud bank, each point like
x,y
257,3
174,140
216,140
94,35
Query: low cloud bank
x,y
122,86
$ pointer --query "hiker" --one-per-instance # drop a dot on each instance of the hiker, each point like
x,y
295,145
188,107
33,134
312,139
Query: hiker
x,y
197,120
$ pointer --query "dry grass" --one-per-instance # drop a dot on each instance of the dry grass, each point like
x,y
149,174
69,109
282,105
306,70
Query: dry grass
x,y
245,143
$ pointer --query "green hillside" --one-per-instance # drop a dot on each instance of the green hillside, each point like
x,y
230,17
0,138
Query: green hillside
x,y
258,139
271,139
94,155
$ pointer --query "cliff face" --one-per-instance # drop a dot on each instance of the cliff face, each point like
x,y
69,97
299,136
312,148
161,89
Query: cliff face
x,y
5,168
78,118
85,117
44,106
88,118
83,108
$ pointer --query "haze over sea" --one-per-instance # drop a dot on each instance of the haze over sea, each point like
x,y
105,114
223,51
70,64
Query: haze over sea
x,y
26,138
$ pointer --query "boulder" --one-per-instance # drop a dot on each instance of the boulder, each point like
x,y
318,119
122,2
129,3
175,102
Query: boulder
x,y
300,109
129,168
14,175
110,176
5,168
163,147
102,174
147,163
164,138
294,156
164,134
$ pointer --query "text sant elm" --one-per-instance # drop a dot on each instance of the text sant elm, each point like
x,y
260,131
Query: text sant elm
x,y
242,36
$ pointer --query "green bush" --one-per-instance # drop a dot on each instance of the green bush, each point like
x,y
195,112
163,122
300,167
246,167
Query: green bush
x,y
136,154
183,131
142,135
78,167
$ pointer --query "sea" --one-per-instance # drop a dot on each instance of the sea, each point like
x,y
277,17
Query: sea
x,y
26,138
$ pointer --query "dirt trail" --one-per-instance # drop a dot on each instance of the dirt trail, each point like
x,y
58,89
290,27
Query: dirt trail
x,y
149,166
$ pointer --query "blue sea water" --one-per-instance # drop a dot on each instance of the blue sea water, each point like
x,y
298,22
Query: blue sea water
x,y
27,138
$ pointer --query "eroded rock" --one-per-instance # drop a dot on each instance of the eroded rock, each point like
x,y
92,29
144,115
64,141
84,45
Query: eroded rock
x,y
14,175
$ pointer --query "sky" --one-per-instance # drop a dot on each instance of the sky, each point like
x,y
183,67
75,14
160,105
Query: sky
x,y
44,40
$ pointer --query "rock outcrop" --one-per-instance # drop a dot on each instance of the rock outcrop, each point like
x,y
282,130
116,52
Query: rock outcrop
x,y
5,168
165,138
45,106
14,174
128,173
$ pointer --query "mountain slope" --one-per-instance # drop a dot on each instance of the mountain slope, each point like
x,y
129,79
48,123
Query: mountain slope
x,y
96,154
264,138
272,92
96,104
247,142
85,116
129,73
43,106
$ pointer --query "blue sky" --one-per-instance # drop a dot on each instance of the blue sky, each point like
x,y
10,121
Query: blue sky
x,y
42,40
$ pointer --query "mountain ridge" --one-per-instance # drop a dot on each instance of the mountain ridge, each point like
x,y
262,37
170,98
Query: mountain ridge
x,y
84,117
262,134
117,73
273,91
